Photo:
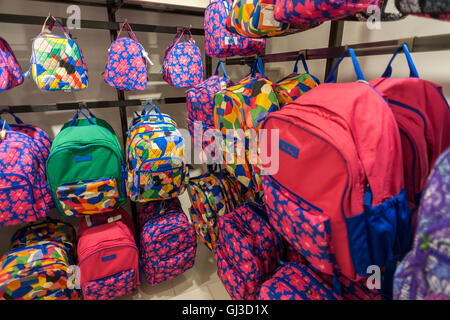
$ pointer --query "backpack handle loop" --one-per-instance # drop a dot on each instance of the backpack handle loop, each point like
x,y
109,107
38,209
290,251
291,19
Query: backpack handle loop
x,y
301,57
351,52
16,118
71,124
129,30
59,25
257,66
220,64
412,68
153,108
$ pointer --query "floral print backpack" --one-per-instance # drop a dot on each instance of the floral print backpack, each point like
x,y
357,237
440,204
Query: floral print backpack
x,y
168,242
183,64
24,193
222,43
425,272
10,72
126,68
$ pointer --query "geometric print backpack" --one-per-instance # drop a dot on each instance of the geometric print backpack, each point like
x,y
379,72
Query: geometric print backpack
x,y
126,66
294,85
24,192
155,157
57,62
10,72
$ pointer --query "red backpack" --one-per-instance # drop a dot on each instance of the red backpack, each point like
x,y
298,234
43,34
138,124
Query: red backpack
x,y
339,196
423,117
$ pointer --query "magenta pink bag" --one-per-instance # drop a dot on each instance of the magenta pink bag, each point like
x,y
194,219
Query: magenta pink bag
x,y
108,259
10,72
222,43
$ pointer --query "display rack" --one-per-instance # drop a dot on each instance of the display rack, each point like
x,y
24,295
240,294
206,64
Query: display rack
x,y
112,6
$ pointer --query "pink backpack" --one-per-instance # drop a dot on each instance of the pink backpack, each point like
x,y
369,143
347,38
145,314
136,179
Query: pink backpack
x,y
108,257
24,192
168,241
220,42
334,198
10,72
247,250
423,117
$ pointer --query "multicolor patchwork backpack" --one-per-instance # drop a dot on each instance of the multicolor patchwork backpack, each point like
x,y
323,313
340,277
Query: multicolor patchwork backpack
x,y
425,272
200,106
220,42
57,62
294,85
423,117
238,114
126,67
24,193
213,195
255,18
108,258
85,168
38,267
10,71
183,64
303,11
247,252
168,242
48,230
155,157
341,205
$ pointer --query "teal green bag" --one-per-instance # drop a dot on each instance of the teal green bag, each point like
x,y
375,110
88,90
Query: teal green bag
x,y
85,168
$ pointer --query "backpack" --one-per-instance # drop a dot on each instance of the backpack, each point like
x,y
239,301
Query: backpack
x,y
247,251
220,42
155,157
424,272
85,168
183,64
57,62
200,106
349,209
108,259
294,281
38,265
238,114
147,211
10,71
423,117
24,193
168,242
53,230
255,18
294,85
126,67
213,195
301,11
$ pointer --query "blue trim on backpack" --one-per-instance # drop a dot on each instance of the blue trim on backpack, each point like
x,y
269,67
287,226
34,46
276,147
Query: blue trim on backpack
x,y
331,77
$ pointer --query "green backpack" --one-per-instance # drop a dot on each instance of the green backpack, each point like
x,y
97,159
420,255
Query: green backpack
x,y
85,168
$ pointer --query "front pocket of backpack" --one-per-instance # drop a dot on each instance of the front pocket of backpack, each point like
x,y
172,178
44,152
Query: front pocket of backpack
x,y
162,183
302,224
117,285
88,197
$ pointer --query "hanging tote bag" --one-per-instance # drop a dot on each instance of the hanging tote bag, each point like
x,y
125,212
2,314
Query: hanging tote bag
x,y
183,64
220,42
294,85
10,72
126,68
304,11
57,62
255,19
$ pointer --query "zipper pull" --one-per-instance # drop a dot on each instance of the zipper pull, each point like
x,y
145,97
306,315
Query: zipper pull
x,y
3,132
145,54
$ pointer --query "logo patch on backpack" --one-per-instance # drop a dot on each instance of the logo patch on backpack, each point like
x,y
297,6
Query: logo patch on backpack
x,y
290,149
